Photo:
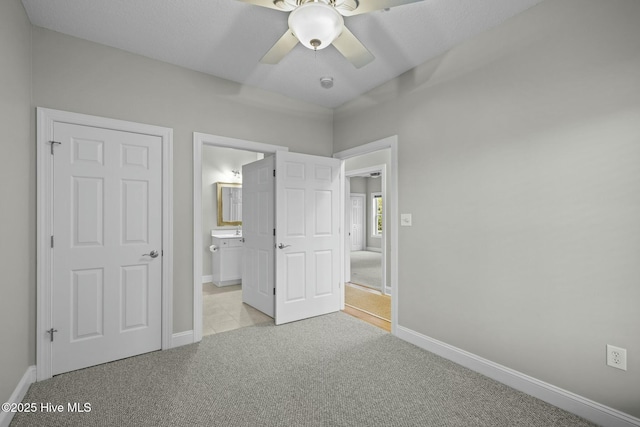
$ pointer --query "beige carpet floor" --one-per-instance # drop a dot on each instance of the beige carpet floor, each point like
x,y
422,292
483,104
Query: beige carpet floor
x,y
328,371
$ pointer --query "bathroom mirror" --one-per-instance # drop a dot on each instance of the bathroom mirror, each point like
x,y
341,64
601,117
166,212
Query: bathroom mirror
x,y
229,203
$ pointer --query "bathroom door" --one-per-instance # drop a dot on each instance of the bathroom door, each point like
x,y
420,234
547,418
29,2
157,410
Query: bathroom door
x,y
258,271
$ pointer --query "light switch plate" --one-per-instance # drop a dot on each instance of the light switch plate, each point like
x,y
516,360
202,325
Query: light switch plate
x,y
405,220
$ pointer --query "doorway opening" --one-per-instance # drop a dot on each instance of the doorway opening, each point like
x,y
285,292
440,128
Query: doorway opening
x,y
225,298
371,275
366,293
222,262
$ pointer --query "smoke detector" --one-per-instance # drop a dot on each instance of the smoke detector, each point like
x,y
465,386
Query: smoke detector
x,y
326,82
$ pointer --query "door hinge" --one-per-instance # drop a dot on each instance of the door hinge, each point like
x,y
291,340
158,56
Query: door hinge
x,y
274,231
50,332
274,291
274,172
52,144
52,241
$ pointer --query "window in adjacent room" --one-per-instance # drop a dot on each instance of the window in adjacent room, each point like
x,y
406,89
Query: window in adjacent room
x,y
376,209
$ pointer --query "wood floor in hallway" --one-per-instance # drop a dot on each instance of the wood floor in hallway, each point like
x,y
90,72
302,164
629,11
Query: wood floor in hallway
x,y
369,305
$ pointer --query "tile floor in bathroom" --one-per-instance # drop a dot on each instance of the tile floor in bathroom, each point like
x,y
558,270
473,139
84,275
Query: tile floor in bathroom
x,y
223,310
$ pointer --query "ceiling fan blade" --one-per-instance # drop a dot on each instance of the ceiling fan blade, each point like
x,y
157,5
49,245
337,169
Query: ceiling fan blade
x,y
283,46
264,3
365,6
351,48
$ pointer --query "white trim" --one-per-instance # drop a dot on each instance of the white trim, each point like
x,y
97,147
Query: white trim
x,y
182,338
344,183
231,282
207,279
200,139
372,249
390,200
45,122
167,237
18,394
571,402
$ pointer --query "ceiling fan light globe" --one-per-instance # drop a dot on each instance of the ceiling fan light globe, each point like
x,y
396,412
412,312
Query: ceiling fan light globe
x,y
316,22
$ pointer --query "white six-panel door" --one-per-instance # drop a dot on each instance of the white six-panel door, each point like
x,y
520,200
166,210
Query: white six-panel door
x,y
357,221
107,220
307,235
258,223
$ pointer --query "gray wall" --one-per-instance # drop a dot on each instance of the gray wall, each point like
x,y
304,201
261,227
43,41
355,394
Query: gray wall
x,y
77,75
17,199
358,184
519,156
217,164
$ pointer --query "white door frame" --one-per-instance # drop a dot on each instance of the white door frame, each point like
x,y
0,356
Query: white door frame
x,y
363,217
390,142
45,123
200,139
383,243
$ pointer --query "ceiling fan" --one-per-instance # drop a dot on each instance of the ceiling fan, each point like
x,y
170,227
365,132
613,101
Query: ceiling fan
x,y
318,23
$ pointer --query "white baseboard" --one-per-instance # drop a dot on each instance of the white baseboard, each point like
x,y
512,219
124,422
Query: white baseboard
x,y
372,249
571,402
181,338
231,282
27,379
207,279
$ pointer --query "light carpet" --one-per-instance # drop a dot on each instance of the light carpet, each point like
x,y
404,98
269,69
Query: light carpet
x,y
366,268
331,370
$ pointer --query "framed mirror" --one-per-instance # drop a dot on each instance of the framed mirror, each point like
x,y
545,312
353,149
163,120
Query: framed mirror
x,y
229,203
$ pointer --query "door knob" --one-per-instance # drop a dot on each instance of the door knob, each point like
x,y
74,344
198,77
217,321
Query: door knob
x,y
282,246
152,254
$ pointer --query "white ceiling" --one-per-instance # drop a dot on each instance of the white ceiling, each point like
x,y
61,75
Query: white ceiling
x,y
227,38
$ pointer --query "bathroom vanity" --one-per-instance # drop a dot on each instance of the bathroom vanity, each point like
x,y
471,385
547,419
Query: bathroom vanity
x,y
227,259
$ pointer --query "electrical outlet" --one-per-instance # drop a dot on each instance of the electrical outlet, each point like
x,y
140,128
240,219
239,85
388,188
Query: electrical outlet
x,y
617,357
